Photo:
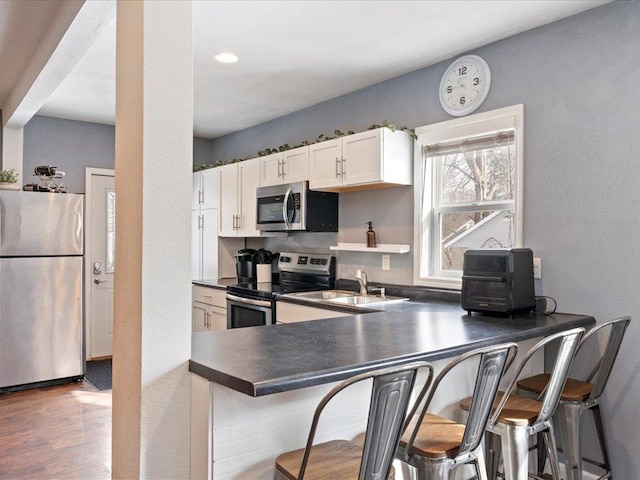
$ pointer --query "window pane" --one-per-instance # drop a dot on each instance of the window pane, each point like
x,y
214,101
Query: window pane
x,y
111,231
463,230
478,175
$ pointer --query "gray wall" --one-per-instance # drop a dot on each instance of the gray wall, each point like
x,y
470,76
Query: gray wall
x,y
72,146
578,81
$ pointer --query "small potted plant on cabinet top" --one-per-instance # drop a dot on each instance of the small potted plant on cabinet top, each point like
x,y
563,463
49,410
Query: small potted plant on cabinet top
x,y
8,180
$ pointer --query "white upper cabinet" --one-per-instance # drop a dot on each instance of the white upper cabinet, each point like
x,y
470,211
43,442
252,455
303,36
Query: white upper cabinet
x,y
271,169
295,165
204,224
196,191
285,167
325,164
210,188
371,159
206,189
238,183
228,200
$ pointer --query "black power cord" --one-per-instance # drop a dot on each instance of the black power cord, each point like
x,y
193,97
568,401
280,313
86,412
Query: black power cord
x,y
541,305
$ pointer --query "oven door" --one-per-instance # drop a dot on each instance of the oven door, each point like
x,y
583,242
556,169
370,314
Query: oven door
x,y
248,312
281,207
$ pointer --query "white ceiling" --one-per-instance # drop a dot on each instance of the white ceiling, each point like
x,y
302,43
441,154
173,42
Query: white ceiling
x,y
294,54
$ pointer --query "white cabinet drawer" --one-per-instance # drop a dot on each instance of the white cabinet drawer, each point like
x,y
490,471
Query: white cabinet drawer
x,y
210,296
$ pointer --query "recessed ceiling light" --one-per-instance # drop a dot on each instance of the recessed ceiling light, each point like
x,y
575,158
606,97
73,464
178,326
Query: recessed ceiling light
x,y
225,57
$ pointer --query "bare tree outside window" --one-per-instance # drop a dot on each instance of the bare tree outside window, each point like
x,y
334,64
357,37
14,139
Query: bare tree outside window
x,y
474,208
468,191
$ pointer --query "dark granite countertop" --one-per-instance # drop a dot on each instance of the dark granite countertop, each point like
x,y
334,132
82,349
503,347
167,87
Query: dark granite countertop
x,y
219,283
265,360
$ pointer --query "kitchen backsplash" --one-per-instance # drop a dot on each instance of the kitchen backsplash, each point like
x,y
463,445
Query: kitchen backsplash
x,y
390,210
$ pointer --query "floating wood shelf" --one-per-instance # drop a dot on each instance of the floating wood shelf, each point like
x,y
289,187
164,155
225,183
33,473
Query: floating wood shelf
x,y
381,248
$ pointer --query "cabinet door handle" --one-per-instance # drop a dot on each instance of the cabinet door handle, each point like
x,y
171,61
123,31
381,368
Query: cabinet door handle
x,y
200,197
206,319
344,167
337,167
200,222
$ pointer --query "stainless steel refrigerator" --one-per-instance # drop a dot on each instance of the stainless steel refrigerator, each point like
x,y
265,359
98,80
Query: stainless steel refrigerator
x,y
41,261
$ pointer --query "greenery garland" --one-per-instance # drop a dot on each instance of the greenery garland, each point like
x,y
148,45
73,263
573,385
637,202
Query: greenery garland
x,y
8,176
319,138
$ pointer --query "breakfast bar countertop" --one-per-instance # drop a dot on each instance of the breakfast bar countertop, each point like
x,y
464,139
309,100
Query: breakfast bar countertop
x,y
261,361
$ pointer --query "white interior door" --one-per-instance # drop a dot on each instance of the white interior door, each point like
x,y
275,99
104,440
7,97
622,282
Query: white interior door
x,y
100,261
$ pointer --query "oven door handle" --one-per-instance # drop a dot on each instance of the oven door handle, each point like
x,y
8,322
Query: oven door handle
x,y
249,301
285,215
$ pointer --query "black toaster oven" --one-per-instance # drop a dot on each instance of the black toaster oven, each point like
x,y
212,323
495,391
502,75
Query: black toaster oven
x,y
498,281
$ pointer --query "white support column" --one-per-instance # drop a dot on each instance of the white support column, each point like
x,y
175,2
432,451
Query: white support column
x,y
12,151
152,341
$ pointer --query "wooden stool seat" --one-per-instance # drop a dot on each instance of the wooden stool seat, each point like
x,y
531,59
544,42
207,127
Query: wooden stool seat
x,y
337,459
518,411
574,390
437,438
341,459
435,446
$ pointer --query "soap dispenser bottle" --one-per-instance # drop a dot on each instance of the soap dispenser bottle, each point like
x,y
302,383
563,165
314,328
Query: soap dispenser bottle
x,y
371,236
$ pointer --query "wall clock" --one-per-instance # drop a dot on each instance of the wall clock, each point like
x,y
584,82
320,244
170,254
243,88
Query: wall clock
x,y
465,85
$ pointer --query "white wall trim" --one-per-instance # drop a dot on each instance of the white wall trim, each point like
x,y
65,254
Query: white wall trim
x,y
13,151
503,118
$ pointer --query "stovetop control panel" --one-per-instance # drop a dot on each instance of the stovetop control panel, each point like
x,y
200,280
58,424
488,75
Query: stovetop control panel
x,y
318,263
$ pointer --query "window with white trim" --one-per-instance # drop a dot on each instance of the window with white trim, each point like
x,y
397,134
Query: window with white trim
x,y
468,191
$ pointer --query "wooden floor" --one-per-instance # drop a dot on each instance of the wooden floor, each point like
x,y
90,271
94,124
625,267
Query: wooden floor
x,y
61,432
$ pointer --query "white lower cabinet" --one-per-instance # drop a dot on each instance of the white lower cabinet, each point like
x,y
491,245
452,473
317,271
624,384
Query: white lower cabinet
x,y
209,309
292,312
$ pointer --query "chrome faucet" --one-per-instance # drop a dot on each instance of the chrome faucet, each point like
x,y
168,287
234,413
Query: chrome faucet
x,y
362,279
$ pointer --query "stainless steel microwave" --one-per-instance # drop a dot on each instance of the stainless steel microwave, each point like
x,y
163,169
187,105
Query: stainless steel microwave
x,y
293,207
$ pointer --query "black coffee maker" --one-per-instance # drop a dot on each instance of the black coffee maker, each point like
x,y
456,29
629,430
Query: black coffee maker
x,y
246,265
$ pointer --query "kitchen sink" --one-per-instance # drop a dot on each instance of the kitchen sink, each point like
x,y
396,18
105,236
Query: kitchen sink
x,y
366,299
322,294
345,297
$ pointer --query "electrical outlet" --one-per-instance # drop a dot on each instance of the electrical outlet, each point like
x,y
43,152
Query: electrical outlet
x,y
386,262
537,268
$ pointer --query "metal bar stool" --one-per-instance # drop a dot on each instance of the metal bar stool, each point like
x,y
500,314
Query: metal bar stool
x,y
436,446
346,460
581,395
516,418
